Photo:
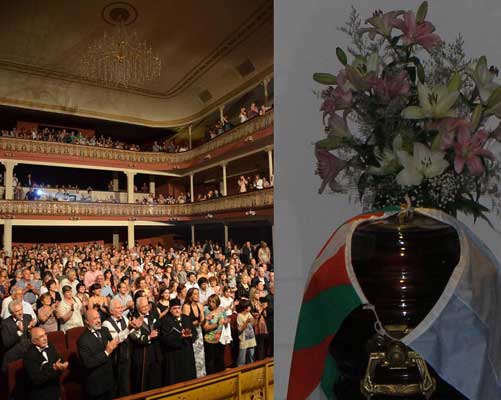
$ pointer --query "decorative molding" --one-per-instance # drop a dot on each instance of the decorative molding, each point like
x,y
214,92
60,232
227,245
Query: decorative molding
x,y
10,146
261,16
75,210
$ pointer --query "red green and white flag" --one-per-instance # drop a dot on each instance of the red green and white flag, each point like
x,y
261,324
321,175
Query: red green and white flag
x,y
329,298
459,338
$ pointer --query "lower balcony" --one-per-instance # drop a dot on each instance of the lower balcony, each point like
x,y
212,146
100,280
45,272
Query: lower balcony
x,y
242,205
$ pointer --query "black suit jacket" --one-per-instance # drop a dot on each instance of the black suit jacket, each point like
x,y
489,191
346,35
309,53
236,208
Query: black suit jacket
x,y
97,365
246,254
43,380
15,346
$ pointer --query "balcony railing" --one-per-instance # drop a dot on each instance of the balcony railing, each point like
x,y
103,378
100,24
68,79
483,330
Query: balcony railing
x,y
245,201
240,132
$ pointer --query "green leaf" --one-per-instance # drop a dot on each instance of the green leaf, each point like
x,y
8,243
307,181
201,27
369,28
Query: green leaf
x,y
415,60
421,12
341,55
420,73
324,78
455,83
476,117
435,144
331,143
494,98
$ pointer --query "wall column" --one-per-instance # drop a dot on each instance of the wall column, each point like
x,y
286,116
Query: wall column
x,y
7,236
226,236
265,86
130,235
130,186
270,162
116,240
189,137
115,181
192,193
152,185
9,179
192,235
221,113
225,189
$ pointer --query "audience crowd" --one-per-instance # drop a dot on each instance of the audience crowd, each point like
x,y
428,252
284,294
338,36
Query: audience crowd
x,y
169,145
166,315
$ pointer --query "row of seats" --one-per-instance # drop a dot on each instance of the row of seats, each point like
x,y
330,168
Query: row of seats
x,y
71,379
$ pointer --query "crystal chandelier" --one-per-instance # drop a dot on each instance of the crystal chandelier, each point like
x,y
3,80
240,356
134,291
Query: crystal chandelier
x,y
120,58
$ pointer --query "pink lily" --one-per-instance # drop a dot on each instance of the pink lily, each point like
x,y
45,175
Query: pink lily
x,y
328,168
468,150
382,24
390,87
447,129
414,33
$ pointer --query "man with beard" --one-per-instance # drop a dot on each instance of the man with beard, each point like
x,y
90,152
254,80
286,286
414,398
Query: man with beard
x,y
95,348
120,328
176,336
146,354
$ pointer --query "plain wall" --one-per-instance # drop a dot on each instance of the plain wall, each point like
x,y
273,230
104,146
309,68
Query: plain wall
x,y
305,42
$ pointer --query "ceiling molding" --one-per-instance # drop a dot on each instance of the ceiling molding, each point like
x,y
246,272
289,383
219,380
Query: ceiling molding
x,y
73,110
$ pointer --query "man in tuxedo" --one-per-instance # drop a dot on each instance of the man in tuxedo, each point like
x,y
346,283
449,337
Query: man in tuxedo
x,y
177,335
95,348
15,331
146,355
43,366
120,328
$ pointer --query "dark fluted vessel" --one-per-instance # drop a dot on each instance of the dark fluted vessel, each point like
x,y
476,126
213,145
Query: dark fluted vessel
x,y
402,269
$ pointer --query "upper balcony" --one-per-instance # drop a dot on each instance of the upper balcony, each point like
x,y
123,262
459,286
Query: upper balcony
x,y
252,135
241,206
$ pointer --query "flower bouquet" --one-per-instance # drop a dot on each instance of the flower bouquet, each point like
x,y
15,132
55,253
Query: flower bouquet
x,y
423,113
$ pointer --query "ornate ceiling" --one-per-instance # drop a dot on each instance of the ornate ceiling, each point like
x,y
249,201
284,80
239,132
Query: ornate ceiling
x,y
202,44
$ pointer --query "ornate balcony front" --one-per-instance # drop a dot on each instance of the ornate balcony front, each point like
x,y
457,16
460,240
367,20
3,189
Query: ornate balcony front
x,y
242,205
253,134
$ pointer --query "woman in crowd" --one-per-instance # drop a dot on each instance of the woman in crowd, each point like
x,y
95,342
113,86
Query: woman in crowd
x,y
246,335
109,280
163,301
83,296
258,310
98,302
242,184
243,288
226,301
173,289
53,291
69,310
46,313
215,319
194,310
181,293
264,253
243,115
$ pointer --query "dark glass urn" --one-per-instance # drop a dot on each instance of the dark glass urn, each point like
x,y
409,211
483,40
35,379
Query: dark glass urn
x,y
402,268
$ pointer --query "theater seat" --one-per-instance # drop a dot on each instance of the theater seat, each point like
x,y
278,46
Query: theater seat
x,y
17,380
58,339
72,336
71,379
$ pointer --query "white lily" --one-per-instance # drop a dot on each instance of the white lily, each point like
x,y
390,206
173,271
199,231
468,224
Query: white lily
x,y
422,163
387,159
434,102
483,78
